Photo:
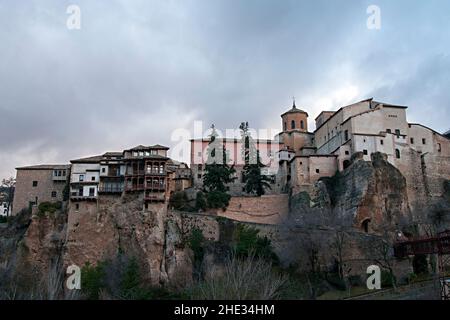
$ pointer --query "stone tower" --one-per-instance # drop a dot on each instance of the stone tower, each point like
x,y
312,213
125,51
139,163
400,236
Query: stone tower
x,y
295,133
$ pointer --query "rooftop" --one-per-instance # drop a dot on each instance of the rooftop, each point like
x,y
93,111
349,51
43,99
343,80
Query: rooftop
x,y
46,167
294,109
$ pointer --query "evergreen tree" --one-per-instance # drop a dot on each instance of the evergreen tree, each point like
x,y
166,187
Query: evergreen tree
x,y
255,181
217,173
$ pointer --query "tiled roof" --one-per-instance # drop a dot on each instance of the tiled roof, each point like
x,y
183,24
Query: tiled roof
x,y
153,147
93,159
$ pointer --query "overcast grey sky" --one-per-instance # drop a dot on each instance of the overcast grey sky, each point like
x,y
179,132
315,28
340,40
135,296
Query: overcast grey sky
x,y
139,69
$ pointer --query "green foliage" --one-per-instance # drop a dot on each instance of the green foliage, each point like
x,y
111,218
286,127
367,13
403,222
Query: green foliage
x,y
196,241
3,219
246,242
387,279
131,285
179,201
217,199
93,280
255,182
48,207
200,201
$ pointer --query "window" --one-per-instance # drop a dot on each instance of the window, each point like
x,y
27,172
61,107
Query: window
x,y
92,178
381,142
347,152
302,124
424,141
346,135
439,147
365,225
301,163
199,154
365,152
64,173
103,170
53,194
35,183
200,167
412,140
397,132
81,178
199,176
388,130
292,124
285,126
77,206
91,192
397,153
317,171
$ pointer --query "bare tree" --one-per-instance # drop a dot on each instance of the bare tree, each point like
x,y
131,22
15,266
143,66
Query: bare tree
x,y
8,186
338,244
242,279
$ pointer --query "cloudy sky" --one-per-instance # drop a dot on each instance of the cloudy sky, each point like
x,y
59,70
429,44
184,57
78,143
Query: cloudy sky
x,y
138,70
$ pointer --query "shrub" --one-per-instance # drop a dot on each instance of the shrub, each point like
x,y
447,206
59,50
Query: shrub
x,y
218,199
196,241
247,242
387,279
49,207
3,219
200,201
93,280
179,200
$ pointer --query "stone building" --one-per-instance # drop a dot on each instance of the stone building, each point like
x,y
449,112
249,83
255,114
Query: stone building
x,y
37,184
268,149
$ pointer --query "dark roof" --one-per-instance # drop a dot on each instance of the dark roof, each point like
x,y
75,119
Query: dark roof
x,y
113,154
46,167
294,109
153,147
93,159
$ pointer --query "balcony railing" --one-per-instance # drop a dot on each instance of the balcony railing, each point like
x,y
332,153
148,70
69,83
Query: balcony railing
x,y
135,172
111,189
155,172
155,186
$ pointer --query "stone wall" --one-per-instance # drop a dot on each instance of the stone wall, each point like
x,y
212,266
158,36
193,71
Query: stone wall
x,y
26,193
267,209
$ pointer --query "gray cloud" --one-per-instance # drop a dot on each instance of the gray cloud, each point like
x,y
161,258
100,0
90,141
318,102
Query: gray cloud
x,y
137,70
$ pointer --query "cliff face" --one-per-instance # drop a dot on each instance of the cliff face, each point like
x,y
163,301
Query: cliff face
x,y
369,201
98,231
367,196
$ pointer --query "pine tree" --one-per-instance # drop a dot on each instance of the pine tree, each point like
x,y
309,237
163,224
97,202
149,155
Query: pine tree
x,y
218,174
255,181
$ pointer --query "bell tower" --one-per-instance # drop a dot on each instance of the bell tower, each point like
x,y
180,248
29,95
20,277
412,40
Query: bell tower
x,y
295,120
295,133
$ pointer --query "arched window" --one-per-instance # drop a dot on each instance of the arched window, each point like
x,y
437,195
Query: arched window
x,y
365,225
302,125
397,153
292,124
285,126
